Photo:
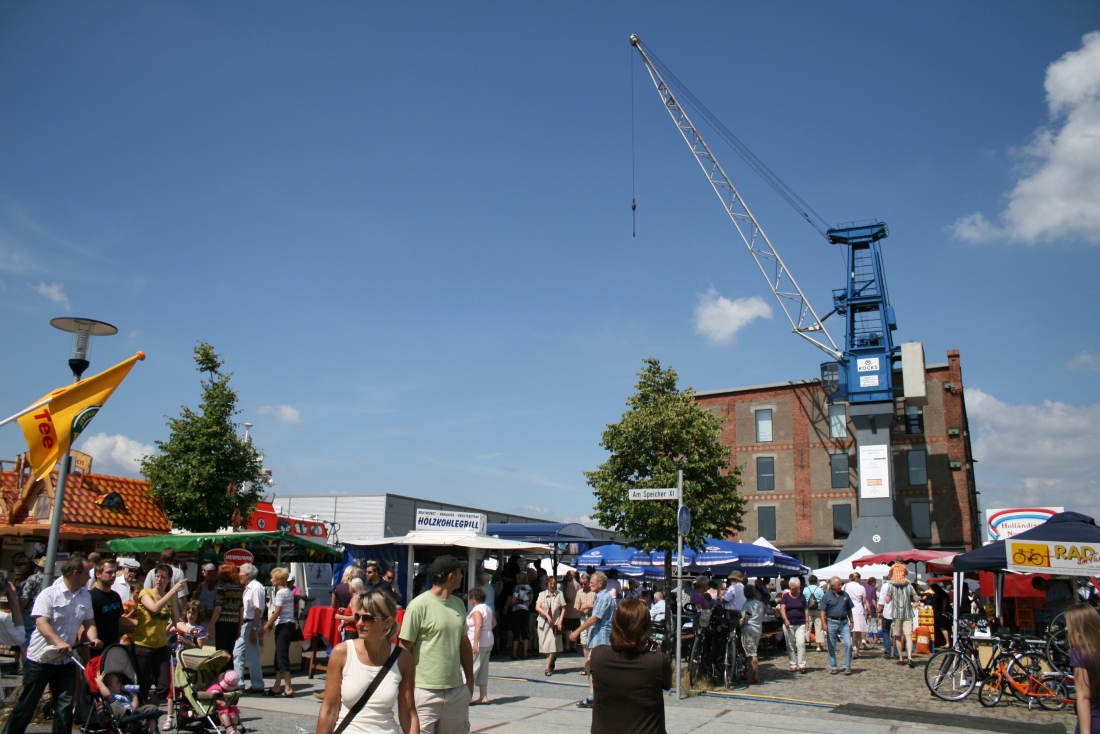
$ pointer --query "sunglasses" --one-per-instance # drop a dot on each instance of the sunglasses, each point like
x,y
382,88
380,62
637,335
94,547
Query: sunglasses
x,y
366,617
387,578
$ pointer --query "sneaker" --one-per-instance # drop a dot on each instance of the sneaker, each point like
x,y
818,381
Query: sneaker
x,y
168,724
584,703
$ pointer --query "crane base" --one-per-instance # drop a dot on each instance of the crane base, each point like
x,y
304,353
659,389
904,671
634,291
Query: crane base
x,y
877,533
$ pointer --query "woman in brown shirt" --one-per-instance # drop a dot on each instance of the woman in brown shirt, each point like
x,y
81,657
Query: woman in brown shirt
x,y
629,681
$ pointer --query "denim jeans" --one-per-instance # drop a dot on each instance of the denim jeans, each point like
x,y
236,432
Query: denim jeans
x,y
247,653
36,676
839,628
887,640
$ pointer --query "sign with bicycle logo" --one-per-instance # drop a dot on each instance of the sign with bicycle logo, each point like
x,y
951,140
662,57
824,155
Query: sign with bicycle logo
x,y
1058,558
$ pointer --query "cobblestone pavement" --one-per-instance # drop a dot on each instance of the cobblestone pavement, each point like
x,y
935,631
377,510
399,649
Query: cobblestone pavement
x,y
874,681
526,702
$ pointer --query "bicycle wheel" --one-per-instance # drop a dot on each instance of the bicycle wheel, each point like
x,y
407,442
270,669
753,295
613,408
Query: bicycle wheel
x,y
1052,692
695,662
1024,672
731,661
990,690
1057,647
950,675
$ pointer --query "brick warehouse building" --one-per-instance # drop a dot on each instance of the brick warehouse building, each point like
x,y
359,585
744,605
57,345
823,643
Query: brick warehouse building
x,y
798,461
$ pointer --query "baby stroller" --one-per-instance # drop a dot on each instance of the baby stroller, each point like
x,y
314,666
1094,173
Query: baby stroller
x,y
115,659
197,670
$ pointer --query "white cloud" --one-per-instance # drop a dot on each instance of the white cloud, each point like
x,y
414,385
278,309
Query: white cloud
x,y
1036,454
285,413
719,319
56,293
535,511
115,455
1085,361
1056,196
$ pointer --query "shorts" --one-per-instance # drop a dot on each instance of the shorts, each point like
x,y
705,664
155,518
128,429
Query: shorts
x,y
445,711
901,629
569,624
749,642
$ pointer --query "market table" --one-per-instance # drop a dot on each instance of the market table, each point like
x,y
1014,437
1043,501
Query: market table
x,y
321,626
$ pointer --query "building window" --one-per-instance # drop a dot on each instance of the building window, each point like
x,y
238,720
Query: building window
x,y
920,519
838,421
765,473
842,521
918,467
764,425
914,419
765,522
841,479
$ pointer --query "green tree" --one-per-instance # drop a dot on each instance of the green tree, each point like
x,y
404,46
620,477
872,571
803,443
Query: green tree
x,y
205,475
664,431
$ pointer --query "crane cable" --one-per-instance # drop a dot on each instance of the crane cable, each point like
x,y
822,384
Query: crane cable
x,y
633,177
785,192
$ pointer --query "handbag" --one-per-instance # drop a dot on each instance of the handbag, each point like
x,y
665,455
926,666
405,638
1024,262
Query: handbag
x,y
354,710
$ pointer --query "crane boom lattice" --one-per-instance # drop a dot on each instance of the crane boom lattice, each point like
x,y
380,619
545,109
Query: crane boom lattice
x,y
801,315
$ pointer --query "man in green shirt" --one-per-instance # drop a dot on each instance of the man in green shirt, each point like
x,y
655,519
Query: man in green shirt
x,y
434,631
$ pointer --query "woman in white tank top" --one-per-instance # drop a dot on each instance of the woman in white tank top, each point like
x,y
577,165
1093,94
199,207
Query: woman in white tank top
x,y
359,662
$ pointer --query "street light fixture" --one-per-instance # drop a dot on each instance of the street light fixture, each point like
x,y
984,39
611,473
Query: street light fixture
x,y
82,330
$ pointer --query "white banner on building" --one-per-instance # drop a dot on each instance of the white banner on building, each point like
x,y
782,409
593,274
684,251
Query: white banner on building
x,y
874,471
1060,559
1004,524
447,521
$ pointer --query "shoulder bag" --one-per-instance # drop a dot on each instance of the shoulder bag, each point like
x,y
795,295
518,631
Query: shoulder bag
x,y
354,710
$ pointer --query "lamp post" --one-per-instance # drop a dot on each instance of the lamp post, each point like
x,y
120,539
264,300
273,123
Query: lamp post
x,y
82,330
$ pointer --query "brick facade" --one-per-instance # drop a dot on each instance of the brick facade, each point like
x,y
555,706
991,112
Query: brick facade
x,y
801,447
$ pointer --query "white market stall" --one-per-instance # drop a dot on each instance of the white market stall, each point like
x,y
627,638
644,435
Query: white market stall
x,y
446,528
844,568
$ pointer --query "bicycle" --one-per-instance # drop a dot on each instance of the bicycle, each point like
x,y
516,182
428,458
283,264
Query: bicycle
x,y
1022,674
716,652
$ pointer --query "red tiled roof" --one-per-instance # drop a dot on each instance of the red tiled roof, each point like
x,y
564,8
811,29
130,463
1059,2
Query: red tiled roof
x,y
141,514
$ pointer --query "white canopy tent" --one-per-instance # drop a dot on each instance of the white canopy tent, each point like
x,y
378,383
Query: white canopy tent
x,y
763,543
844,568
472,541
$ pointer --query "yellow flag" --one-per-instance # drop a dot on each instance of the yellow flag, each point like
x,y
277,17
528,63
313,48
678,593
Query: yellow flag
x,y
51,429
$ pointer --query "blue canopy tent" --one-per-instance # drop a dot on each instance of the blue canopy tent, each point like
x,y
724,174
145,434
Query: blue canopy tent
x,y
726,555
1064,526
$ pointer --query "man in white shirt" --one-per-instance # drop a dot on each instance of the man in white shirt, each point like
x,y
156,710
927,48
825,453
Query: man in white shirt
x,y
734,597
246,651
168,558
127,570
60,613
657,611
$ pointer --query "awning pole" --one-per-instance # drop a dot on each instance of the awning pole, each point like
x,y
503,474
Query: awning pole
x,y
471,576
957,608
409,576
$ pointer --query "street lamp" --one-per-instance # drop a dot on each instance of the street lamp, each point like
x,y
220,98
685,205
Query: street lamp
x,y
82,330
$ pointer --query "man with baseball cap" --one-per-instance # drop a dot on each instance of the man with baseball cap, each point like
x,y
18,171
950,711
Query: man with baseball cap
x,y
434,631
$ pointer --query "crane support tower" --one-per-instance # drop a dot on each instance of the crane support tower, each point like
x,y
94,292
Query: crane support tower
x,y
863,373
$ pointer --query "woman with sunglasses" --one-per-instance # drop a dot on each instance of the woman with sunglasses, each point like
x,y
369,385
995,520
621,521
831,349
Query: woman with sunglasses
x,y
359,661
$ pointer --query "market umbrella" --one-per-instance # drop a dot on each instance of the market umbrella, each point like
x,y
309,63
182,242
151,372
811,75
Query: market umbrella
x,y
748,557
657,558
606,555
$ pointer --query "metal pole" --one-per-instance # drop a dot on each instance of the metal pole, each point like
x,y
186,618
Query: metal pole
x,y
679,583
55,519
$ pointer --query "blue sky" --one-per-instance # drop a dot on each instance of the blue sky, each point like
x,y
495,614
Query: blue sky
x,y
407,227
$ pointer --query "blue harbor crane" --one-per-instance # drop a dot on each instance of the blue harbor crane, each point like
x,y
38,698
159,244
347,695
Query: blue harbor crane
x,y
862,373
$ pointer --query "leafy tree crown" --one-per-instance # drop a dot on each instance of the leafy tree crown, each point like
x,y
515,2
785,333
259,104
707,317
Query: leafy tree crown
x,y
205,471
666,430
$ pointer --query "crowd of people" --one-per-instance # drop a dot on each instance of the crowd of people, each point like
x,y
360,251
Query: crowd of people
x,y
101,601
422,674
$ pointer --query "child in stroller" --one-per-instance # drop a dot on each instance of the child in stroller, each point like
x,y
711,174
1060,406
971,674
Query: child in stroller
x,y
122,699
229,714
117,707
197,699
